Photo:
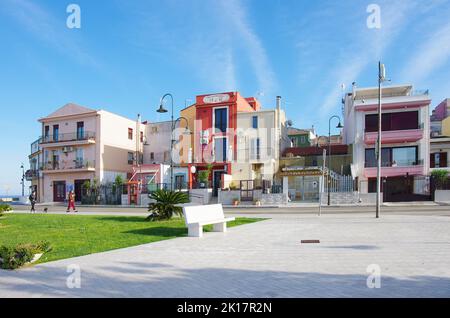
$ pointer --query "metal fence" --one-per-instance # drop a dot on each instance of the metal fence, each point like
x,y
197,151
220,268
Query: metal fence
x,y
105,194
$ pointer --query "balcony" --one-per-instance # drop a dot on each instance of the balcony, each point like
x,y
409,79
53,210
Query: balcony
x,y
86,137
394,169
69,166
394,136
31,174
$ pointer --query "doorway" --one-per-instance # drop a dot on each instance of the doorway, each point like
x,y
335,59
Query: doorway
x,y
59,191
217,180
79,189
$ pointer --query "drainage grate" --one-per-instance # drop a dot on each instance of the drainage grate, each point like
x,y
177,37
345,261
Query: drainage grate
x,y
310,241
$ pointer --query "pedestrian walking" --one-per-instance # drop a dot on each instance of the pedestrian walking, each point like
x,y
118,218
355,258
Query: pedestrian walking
x,y
71,202
33,199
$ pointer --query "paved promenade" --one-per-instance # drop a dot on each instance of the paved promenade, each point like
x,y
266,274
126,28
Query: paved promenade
x,y
264,259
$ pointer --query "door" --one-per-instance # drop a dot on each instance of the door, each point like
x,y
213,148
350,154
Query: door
x,y
59,191
247,187
79,189
217,178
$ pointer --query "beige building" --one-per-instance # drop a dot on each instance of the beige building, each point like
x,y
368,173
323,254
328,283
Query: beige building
x,y
79,144
261,138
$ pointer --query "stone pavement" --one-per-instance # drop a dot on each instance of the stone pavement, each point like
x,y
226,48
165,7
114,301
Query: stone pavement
x,y
263,259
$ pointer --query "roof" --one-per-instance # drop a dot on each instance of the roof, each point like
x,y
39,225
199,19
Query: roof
x,y
316,151
69,109
298,131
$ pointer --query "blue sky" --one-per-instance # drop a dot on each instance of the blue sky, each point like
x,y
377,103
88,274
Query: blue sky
x,y
129,53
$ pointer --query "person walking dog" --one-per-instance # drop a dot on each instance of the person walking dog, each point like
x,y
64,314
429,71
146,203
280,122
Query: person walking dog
x,y
32,199
71,202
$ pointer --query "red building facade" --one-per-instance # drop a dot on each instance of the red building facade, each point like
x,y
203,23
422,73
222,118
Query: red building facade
x,y
215,139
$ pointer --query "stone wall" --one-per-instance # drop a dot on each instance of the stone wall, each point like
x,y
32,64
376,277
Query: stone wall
x,y
442,196
274,199
200,196
341,198
227,197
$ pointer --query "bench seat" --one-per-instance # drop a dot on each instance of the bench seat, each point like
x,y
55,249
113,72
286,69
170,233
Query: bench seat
x,y
198,216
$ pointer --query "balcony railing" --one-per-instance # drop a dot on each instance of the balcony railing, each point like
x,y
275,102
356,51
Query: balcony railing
x,y
69,165
400,163
79,136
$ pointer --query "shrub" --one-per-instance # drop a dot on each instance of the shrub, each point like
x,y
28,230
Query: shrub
x,y
15,257
166,204
441,177
5,208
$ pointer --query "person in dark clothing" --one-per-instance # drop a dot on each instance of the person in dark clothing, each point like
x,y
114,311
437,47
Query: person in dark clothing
x,y
33,199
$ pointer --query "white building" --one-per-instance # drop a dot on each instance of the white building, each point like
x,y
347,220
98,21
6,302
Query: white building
x,y
405,139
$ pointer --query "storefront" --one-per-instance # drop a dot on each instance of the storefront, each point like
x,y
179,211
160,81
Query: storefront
x,y
304,183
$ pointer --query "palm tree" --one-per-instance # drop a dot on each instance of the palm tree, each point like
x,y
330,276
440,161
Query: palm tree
x,y
166,204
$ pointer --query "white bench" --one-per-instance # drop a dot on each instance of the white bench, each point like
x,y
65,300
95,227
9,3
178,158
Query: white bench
x,y
196,216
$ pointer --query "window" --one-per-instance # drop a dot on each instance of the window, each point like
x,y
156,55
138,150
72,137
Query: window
x,y
152,156
80,130
46,132
130,158
220,149
130,133
255,150
302,140
393,121
255,122
220,119
392,157
142,136
79,158
55,132
294,142
438,160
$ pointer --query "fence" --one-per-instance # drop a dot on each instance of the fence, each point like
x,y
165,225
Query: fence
x,y
105,194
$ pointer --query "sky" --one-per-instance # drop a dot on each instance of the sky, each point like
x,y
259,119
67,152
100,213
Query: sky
x,y
127,54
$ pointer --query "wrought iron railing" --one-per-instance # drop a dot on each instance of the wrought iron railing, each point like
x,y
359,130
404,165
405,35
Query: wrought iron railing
x,y
77,136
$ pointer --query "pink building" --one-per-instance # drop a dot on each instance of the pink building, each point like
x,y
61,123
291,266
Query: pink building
x,y
405,140
79,144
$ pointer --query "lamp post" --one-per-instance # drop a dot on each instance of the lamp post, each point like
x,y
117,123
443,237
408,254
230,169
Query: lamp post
x,y
23,179
162,110
339,126
381,78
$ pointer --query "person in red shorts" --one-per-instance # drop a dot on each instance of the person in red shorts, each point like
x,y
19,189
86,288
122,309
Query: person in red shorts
x,y
71,202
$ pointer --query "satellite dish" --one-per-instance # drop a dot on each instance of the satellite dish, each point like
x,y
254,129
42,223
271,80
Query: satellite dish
x,y
289,123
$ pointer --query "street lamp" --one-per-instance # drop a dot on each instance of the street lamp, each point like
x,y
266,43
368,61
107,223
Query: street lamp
x,y
339,126
23,179
381,79
162,110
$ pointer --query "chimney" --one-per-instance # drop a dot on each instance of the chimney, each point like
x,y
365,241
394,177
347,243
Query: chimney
x,y
278,102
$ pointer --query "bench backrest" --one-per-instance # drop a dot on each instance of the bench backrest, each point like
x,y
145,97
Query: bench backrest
x,y
202,213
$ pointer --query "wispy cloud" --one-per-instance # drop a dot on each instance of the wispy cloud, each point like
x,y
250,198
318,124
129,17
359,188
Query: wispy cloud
x,y
47,28
429,56
238,17
370,46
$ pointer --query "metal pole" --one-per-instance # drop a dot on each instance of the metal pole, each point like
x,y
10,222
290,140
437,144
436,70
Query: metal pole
x,y
379,144
329,158
23,180
322,184
171,150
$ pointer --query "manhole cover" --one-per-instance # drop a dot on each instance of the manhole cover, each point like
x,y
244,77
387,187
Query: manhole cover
x,y
310,241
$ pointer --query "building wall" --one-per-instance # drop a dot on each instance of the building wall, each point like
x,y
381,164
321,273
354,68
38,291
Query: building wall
x,y
114,145
186,154
158,142
445,127
354,127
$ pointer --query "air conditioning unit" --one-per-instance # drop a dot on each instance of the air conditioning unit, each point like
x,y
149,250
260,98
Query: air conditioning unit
x,y
67,149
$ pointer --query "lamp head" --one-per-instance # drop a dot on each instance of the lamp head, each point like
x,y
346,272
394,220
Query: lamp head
x,y
161,109
339,126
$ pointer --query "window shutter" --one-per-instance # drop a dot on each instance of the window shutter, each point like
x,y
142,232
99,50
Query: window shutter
x,y
432,165
443,159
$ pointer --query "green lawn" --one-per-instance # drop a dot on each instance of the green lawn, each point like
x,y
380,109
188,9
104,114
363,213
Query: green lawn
x,y
76,235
